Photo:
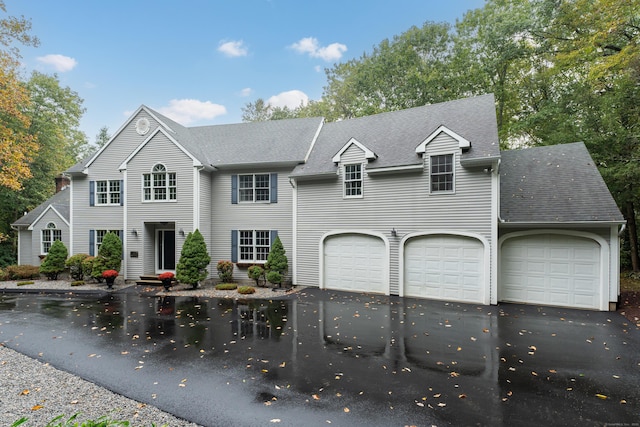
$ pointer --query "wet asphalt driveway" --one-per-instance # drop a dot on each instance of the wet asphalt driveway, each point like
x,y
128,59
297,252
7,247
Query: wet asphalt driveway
x,y
333,358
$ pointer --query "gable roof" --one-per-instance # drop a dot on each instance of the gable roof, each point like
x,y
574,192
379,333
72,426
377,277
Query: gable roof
x,y
394,136
59,202
554,184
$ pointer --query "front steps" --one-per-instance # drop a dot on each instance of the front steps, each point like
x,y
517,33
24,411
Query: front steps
x,y
152,281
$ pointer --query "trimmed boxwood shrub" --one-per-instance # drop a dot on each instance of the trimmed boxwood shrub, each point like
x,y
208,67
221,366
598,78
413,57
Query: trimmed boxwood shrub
x,y
74,264
255,272
226,286
246,290
20,272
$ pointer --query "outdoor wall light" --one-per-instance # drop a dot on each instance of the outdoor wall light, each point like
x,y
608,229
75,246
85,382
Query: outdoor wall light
x,y
181,231
134,232
394,233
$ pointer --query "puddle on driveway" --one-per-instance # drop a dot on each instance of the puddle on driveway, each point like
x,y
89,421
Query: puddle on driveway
x,y
337,357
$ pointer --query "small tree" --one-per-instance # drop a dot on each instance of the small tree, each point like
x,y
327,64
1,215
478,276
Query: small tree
x,y
54,262
277,263
74,264
194,259
109,256
255,272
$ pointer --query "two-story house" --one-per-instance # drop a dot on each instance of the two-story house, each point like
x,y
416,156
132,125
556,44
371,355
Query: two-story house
x,y
419,202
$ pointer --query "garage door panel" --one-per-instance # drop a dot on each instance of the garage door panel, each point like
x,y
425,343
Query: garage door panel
x,y
444,267
557,270
355,262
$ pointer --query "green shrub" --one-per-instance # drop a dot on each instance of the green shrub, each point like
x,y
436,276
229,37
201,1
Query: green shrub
x,y
194,259
77,283
255,272
54,263
277,262
74,264
109,256
20,272
28,282
7,253
246,290
226,286
87,266
225,271
3,275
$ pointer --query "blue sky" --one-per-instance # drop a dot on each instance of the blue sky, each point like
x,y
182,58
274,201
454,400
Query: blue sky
x,y
199,62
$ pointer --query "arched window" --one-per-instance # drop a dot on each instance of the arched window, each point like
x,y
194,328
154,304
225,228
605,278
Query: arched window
x,y
50,235
159,185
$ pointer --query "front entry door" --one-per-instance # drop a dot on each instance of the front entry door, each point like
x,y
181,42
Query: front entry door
x,y
165,250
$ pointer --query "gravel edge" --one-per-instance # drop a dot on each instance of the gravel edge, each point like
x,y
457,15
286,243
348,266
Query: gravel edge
x,y
40,392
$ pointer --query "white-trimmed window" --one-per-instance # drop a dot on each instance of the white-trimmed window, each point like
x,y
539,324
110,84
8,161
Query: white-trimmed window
x,y
441,173
50,235
108,192
254,245
159,185
100,236
254,187
353,180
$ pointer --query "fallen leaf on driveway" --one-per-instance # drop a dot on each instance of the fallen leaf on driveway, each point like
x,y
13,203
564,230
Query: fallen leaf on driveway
x,y
37,407
601,396
24,392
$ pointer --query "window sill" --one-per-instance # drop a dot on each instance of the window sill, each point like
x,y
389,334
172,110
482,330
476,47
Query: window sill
x,y
249,264
160,201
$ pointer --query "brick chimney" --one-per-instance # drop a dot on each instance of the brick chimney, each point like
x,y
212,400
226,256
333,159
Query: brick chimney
x,y
62,182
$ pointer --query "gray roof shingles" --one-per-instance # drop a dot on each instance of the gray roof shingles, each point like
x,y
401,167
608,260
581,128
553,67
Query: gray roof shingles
x,y
394,136
60,201
554,184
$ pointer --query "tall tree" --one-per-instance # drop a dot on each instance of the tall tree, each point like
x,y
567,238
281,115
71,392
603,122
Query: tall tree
x,y
17,146
102,137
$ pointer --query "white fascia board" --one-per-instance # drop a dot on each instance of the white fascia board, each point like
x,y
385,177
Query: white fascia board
x,y
123,165
367,153
462,142
391,169
43,213
313,142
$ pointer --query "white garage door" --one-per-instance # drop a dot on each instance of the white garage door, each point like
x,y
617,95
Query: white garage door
x,y
355,263
445,267
551,269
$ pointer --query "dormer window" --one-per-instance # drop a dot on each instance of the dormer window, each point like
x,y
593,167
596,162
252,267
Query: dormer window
x,y
353,180
159,185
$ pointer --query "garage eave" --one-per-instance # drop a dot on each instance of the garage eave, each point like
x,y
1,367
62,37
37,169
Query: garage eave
x,y
557,224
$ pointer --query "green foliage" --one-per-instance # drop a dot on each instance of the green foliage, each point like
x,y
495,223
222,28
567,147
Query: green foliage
x,y
277,263
3,275
255,272
7,254
226,286
54,263
246,290
87,266
19,272
274,277
58,421
194,259
75,265
109,256
225,271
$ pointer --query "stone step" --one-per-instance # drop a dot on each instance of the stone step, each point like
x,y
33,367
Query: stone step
x,y
150,280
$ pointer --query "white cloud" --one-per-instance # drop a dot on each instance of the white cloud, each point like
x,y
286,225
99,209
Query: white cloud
x,y
311,46
186,111
233,48
290,99
246,92
59,63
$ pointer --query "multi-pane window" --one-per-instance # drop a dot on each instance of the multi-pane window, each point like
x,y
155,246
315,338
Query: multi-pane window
x,y
50,235
108,192
254,245
254,187
353,180
159,185
442,173
100,236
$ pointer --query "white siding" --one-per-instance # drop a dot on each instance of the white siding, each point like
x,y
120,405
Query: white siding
x,y
148,216
400,201
249,216
206,215
105,166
